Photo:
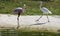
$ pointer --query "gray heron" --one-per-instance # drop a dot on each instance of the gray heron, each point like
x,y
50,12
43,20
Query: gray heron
x,y
19,11
44,11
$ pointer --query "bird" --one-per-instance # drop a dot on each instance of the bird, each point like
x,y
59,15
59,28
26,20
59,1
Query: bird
x,y
44,11
19,11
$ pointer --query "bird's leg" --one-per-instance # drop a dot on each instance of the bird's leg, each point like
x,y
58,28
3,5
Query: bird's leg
x,y
39,18
18,21
48,18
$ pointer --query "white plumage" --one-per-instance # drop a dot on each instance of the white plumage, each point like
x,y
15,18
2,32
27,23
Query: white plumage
x,y
19,8
45,10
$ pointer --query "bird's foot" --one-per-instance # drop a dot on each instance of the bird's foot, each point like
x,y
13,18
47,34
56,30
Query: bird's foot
x,y
37,20
48,21
18,27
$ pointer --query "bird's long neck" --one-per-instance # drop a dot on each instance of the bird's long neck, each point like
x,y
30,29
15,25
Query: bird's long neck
x,y
40,4
24,7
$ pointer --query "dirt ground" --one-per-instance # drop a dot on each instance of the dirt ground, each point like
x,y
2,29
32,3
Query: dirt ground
x,y
7,20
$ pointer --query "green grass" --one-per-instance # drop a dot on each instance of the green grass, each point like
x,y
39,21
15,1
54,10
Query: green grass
x,y
27,32
38,34
7,7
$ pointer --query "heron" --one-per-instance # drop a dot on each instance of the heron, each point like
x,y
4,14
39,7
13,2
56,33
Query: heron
x,y
19,11
44,11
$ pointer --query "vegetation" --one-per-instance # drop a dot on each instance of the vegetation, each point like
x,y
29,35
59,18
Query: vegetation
x,y
11,32
32,8
38,34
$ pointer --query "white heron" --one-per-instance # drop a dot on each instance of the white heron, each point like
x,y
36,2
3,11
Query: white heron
x,y
44,11
19,11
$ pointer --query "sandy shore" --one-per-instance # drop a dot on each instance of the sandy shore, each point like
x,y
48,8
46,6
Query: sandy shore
x,y
7,20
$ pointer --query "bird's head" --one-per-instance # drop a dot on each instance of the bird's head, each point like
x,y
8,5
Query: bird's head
x,y
40,2
24,6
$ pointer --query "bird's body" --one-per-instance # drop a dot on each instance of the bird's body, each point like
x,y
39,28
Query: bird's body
x,y
18,10
45,10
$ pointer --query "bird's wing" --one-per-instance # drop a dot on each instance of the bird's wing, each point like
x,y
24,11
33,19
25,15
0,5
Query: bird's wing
x,y
19,8
46,10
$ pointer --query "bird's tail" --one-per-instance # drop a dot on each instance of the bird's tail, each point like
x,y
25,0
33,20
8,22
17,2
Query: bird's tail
x,y
50,12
